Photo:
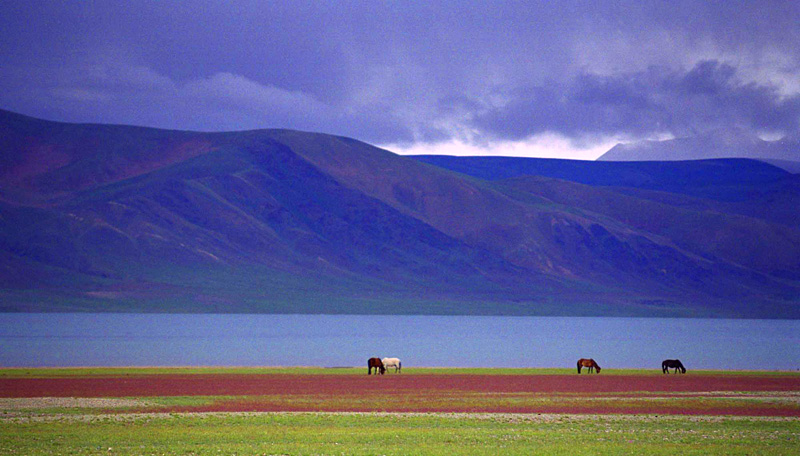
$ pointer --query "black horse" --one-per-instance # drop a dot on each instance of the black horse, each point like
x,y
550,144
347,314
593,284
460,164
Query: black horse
x,y
676,364
377,364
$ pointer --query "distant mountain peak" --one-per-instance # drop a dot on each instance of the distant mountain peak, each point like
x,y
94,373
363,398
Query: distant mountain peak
x,y
734,142
731,136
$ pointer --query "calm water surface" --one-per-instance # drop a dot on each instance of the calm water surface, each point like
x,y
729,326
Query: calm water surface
x,y
348,340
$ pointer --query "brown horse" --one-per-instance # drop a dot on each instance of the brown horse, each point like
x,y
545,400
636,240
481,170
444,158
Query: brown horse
x,y
377,364
583,362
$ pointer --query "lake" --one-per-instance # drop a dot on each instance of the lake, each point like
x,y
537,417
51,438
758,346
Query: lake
x,y
34,340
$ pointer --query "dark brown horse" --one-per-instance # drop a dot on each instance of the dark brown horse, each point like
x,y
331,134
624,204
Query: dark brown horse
x,y
583,362
377,364
676,364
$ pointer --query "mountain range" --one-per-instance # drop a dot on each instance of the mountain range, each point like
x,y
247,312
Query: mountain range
x,y
121,218
719,143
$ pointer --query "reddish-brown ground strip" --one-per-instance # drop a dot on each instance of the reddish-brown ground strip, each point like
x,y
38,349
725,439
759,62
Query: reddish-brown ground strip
x,y
403,389
260,384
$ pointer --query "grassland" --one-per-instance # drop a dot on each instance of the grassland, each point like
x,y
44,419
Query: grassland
x,y
396,434
597,422
23,372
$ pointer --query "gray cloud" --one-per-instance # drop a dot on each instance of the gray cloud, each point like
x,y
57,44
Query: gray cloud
x,y
401,73
657,100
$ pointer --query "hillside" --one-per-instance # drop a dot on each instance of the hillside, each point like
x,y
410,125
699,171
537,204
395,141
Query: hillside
x,y
117,218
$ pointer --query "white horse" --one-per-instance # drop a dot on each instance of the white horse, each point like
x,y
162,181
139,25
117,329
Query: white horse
x,y
392,362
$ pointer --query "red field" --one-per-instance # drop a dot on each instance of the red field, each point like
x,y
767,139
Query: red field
x,y
265,384
755,395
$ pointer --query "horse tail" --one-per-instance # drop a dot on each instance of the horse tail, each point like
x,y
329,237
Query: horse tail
x,y
579,366
400,366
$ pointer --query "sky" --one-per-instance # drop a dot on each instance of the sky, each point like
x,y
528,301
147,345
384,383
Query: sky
x,y
546,79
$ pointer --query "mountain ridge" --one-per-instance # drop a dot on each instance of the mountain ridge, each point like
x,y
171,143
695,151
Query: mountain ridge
x,y
281,221
720,143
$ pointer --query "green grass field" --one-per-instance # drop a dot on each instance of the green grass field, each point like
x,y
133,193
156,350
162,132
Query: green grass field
x,y
114,371
150,425
396,434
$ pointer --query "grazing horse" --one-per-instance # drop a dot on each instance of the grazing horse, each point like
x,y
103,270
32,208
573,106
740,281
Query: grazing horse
x,y
377,364
676,364
583,362
393,362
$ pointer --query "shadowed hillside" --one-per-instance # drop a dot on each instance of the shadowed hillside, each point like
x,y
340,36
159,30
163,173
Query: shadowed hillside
x,y
116,218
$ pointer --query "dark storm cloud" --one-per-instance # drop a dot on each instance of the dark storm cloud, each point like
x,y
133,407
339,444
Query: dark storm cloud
x,y
393,72
658,100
